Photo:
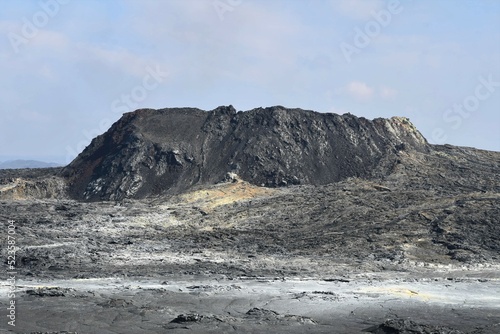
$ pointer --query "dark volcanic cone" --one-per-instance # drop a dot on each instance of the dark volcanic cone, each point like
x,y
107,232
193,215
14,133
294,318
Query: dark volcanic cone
x,y
149,152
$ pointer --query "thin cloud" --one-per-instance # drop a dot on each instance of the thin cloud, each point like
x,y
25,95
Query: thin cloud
x,y
50,40
357,9
252,44
359,90
387,93
124,60
47,72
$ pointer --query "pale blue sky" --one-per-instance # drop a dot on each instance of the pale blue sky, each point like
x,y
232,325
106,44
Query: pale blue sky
x,y
67,66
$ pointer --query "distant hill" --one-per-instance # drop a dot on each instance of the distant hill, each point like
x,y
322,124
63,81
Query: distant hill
x,y
17,164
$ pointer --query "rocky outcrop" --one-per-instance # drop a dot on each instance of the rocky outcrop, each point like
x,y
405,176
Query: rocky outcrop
x,y
151,152
20,184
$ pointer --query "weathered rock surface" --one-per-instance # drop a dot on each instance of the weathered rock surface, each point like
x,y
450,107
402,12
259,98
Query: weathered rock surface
x,y
150,152
35,183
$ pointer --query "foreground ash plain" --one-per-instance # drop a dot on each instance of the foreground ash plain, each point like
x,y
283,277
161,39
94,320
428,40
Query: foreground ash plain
x,y
412,251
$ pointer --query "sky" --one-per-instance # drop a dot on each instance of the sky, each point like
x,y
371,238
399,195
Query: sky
x,y
71,68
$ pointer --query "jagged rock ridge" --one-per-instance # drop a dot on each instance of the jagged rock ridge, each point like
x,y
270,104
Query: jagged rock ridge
x,y
149,152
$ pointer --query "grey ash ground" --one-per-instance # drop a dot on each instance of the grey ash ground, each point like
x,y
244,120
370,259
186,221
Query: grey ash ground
x,y
400,237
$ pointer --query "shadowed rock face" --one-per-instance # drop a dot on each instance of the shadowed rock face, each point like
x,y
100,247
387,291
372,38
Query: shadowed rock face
x,y
151,152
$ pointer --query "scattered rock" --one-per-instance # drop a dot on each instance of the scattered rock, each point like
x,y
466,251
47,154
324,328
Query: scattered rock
x,y
261,313
49,292
185,318
405,326
63,332
116,303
